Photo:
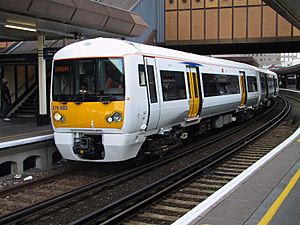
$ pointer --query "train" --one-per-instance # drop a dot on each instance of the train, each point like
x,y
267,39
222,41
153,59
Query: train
x,y
114,100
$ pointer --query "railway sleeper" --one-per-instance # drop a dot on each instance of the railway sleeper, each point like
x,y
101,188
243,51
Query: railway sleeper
x,y
226,173
253,153
222,177
234,166
170,208
237,161
153,210
155,216
239,156
12,204
259,147
134,222
59,187
208,180
190,197
245,159
196,191
27,199
230,170
44,193
206,186
183,203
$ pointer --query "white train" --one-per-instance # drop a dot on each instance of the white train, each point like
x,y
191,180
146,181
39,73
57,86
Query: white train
x,y
113,99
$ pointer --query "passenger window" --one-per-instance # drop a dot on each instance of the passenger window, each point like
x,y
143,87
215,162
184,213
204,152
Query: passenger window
x,y
189,85
270,83
173,85
262,81
215,85
195,85
152,86
252,84
142,75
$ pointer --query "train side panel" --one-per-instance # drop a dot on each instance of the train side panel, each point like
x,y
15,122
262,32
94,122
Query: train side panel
x,y
174,105
215,103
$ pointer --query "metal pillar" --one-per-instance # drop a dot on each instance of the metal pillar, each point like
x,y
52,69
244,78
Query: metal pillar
x,y
42,118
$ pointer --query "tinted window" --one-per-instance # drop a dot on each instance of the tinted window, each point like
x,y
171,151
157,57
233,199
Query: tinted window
x,y
88,79
195,85
173,85
252,84
215,85
262,81
270,83
142,76
152,86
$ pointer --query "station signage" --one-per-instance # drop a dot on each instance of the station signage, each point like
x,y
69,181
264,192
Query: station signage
x,y
8,59
49,52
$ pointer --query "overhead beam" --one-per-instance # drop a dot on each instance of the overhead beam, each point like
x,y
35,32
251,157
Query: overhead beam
x,y
289,9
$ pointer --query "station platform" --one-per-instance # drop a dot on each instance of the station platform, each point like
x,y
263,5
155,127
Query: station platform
x,y
22,129
268,192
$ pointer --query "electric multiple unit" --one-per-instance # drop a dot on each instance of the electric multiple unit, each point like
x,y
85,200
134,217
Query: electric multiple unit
x,y
112,100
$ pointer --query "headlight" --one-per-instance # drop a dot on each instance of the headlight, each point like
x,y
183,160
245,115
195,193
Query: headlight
x,y
109,119
57,117
115,117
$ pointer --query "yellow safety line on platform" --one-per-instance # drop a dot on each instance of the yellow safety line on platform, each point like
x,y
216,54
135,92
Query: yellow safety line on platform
x,y
24,134
298,140
274,208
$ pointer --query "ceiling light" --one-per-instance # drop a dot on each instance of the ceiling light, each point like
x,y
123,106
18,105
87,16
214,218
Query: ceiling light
x,y
20,28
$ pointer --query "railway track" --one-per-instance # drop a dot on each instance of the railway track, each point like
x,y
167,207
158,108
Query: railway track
x,y
187,196
27,194
172,196
59,206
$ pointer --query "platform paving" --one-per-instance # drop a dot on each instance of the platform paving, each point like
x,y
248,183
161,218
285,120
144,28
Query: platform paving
x,y
250,202
20,128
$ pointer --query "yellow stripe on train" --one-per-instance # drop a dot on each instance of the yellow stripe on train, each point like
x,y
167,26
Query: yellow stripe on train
x,y
87,114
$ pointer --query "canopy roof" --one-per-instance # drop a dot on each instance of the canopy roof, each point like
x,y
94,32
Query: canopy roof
x,y
66,18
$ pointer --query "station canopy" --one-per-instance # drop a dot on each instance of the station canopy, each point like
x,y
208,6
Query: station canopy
x,y
22,20
295,69
289,9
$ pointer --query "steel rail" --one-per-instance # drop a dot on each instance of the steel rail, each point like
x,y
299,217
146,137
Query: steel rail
x,y
115,212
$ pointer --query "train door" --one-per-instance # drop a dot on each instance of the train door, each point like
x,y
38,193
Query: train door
x,y
194,90
154,102
275,85
244,88
267,86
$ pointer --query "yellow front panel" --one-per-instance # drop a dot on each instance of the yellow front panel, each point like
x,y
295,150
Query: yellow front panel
x,y
87,114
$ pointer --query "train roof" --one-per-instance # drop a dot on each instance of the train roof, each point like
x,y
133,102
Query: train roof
x,y
266,71
110,47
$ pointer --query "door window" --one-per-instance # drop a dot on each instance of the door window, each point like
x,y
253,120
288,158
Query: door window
x,y
152,86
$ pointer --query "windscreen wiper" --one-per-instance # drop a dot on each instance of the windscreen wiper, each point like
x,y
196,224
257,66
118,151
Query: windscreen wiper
x,y
106,99
63,91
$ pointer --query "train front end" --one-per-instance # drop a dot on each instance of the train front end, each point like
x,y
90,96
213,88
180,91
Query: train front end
x,y
88,105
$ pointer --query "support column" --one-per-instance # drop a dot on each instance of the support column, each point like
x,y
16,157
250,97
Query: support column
x,y
42,118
